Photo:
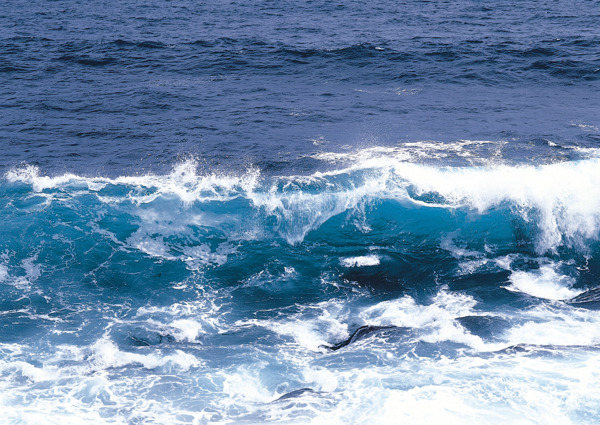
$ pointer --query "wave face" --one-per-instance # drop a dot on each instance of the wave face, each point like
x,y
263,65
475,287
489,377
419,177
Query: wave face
x,y
380,287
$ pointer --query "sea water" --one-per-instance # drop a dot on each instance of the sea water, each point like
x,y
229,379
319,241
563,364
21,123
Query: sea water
x,y
300,212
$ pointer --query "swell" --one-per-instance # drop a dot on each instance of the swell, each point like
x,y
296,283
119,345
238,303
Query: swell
x,y
415,59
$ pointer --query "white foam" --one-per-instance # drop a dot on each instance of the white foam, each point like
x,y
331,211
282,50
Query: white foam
x,y
3,273
418,151
504,262
185,321
405,311
32,271
77,385
29,371
470,266
183,182
321,378
436,321
244,385
561,194
502,387
586,127
151,240
514,390
362,154
324,323
31,174
555,325
299,208
314,326
200,255
311,334
153,246
81,385
456,251
544,283
186,330
105,354
361,261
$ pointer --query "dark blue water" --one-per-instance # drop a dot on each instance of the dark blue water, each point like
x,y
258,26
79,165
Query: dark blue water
x,y
102,87
300,212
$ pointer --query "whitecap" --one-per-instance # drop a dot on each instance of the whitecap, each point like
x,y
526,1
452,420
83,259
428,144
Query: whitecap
x,y
361,261
544,283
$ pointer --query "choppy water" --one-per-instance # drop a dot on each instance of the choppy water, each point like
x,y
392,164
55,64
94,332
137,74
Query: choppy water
x,y
282,212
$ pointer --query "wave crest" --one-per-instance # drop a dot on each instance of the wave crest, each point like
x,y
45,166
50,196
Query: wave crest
x,y
558,201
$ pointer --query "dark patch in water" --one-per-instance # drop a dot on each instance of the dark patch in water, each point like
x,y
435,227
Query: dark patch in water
x,y
589,299
483,326
374,278
360,334
296,393
150,339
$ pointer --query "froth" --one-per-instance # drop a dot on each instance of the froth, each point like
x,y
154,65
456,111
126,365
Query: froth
x,y
183,182
555,325
436,321
544,283
362,261
105,354
311,328
505,389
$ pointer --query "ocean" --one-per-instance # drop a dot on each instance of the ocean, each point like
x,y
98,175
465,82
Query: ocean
x,y
277,212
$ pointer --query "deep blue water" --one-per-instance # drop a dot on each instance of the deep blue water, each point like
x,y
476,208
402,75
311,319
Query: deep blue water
x,y
300,212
